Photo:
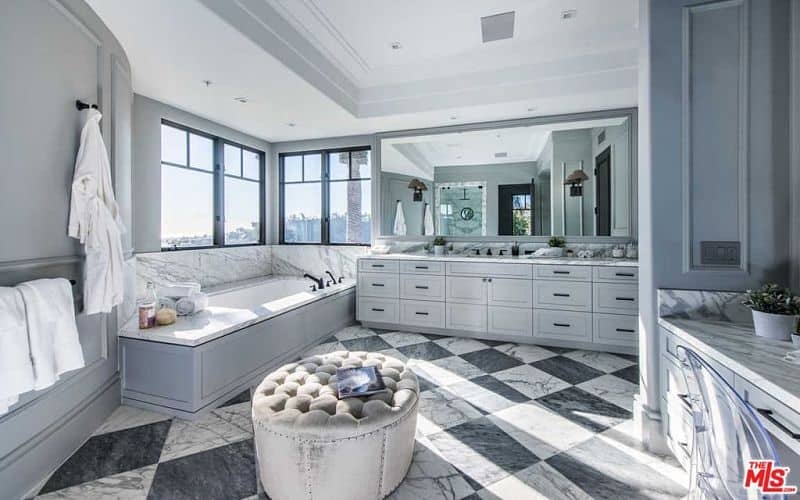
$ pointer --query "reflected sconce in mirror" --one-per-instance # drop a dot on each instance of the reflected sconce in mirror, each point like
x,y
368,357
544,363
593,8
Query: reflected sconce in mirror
x,y
575,182
418,186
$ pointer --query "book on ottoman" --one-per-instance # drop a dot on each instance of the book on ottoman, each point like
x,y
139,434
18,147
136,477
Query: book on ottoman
x,y
355,382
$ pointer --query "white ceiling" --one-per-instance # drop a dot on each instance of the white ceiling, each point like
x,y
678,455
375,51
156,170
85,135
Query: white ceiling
x,y
417,156
327,65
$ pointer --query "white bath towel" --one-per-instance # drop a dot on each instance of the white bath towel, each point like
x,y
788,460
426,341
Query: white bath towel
x,y
52,332
429,229
192,304
399,220
94,219
178,290
16,369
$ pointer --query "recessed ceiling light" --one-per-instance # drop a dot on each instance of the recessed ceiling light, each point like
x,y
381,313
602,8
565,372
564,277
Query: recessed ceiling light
x,y
291,124
532,108
502,154
569,14
396,45
242,100
453,117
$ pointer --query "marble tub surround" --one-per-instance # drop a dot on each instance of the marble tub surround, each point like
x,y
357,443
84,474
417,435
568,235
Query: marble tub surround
x,y
482,438
209,267
296,260
704,305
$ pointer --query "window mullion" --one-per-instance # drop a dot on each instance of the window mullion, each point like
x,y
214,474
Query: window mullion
x,y
325,179
219,196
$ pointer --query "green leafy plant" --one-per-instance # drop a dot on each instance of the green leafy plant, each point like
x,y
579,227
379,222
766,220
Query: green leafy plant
x,y
557,242
439,241
773,299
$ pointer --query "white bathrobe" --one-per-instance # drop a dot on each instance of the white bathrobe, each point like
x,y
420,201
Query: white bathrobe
x,y
399,220
94,219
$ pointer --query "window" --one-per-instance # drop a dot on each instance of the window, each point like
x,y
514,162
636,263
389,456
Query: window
x,y
521,214
203,206
326,197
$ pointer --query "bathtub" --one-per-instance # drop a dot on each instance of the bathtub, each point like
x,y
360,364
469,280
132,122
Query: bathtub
x,y
248,329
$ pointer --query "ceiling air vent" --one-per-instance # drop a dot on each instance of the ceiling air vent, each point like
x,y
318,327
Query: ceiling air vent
x,y
497,27
501,155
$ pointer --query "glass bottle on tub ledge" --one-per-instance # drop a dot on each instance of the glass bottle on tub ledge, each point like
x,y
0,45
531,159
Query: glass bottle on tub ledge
x,y
147,307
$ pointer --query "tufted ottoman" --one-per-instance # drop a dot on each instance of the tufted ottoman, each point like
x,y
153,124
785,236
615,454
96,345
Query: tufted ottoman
x,y
311,445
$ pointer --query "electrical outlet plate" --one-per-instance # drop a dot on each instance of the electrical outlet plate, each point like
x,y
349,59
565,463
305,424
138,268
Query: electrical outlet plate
x,y
720,253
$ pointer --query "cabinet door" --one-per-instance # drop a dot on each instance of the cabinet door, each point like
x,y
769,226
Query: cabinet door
x,y
378,310
378,285
419,313
510,292
563,295
510,321
616,298
562,325
465,290
424,287
616,329
470,317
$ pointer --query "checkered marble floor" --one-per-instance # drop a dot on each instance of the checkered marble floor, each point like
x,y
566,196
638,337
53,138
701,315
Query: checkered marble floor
x,y
496,421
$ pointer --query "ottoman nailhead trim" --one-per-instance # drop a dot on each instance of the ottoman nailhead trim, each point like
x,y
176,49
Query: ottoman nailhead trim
x,y
383,464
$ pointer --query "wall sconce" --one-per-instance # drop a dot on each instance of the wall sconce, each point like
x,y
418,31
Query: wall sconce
x,y
575,182
418,186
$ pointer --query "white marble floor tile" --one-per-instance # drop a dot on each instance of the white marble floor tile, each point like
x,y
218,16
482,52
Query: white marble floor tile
x,y
458,345
603,361
430,477
612,389
353,332
126,417
435,374
319,350
394,353
526,353
479,396
540,430
129,485
459,366
530,381
443,409
219,427
537,482
399,339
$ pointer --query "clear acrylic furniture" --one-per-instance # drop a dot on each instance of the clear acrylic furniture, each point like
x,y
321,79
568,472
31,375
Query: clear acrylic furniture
x,y
727,434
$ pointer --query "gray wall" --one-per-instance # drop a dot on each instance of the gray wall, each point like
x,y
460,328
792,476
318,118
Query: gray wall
x,y
494,175
731,181
52,53
395,187
308,145
147,116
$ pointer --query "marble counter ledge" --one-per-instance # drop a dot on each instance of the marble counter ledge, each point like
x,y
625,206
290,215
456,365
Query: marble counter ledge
x,y
759,360
525,259
215,322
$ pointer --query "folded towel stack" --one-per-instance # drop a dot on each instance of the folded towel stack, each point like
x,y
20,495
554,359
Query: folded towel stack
x,y
192,304
178,290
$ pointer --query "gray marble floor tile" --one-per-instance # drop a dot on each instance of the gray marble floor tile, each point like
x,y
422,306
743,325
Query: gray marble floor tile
x,y
394,353
431,477
631,374
397,339
353,332
369,344
539,481
603,361
491,360
612,389
526,353
458,345
487,393
434,374
427,351
530,381
126,417
585,409
441,409
566,369
459,366
130,485
216,428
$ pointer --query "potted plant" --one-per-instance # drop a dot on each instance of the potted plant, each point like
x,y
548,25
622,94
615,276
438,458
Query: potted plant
x,y
775,311
556,244
439,244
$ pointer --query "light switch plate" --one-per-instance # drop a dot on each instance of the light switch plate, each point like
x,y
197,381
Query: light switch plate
x,y
720,253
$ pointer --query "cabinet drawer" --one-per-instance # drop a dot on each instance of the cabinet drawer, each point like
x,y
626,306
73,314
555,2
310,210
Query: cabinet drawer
x,y
378,265
378,285
465,290
509,292
616,298
468,317
421,267
562,295
616,329
420,313
562,325
780,420
378,310
421,287
616,274
568,273
510,321
487,269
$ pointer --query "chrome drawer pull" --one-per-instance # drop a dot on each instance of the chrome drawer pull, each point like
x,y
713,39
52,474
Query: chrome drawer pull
x,y
420,287
560,272
421,313
625,330
420,267
627,299
377,310
378,284
767,414
625,275
562,325
560,295
377,265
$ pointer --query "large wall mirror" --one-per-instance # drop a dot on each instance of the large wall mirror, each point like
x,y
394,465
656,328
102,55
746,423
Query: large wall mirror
x,y
570,176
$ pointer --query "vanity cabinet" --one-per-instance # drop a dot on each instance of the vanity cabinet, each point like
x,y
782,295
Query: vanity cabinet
x,y
568,305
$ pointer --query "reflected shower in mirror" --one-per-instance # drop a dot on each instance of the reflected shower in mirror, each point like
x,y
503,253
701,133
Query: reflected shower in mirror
x,y
564,178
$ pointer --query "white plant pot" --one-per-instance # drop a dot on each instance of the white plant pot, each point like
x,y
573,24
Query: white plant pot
x,y
438,250
774,326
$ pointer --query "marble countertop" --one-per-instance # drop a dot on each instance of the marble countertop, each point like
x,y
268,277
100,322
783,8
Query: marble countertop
x,y
759,360
525,259
215,322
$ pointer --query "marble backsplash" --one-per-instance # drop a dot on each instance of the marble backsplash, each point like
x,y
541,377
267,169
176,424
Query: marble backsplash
x,y
217,266
462,247
704,304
